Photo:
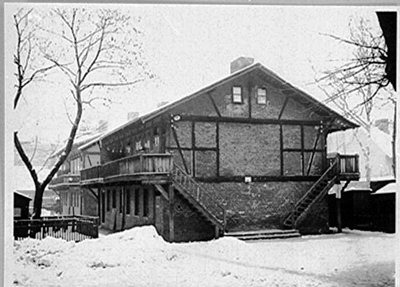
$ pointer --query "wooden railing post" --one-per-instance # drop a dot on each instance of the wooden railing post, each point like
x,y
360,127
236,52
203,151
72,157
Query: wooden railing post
x,y
141,162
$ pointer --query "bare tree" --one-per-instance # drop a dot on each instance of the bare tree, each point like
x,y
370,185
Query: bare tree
x,y
353,85
91,49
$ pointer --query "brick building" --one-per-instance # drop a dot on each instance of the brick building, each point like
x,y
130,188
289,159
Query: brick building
x,y
245,153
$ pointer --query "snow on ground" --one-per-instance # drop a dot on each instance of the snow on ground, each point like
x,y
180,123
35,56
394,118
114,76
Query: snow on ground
x,y
140,257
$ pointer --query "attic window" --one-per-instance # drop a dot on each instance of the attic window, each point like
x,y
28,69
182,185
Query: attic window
x,y
261,96
237,95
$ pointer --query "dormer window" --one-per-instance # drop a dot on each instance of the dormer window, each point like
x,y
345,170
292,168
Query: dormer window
x,y
261,96
237,95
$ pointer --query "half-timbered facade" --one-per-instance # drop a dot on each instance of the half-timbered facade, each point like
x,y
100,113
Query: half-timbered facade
x,y
245,153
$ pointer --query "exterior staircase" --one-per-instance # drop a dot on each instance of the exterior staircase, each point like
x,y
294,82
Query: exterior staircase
x,y
205,204
264,234
319,189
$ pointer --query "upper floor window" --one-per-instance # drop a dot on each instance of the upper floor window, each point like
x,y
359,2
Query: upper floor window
x,y
261,96
156,140
128,148
138,145
237,95
147,144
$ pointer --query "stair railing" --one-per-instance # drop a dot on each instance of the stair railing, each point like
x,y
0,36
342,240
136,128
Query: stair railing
x,y
197,192
328,174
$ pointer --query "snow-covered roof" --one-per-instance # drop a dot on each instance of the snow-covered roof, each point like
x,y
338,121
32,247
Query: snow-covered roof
x,y
358,185
389,188
78,142
23,195
154,113
355,141
91,142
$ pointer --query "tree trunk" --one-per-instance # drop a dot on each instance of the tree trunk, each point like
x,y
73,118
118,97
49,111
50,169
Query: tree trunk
x,y
38,201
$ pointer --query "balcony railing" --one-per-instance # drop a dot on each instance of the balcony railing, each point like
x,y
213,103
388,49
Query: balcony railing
x,y
347,165
93,172
65,179
63,171
143,164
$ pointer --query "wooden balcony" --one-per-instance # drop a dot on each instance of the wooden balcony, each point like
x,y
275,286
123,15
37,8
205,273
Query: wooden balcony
x,y
347,166
92,175
143,168
64,181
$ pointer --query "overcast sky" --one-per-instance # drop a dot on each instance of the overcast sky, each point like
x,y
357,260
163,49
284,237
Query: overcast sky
x,y
190,46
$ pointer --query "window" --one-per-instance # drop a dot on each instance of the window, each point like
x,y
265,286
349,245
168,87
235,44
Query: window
x,y
145,202
108,200
138,145
147,144
262,96
128,148
156,141
114,198
128,201
137,201
237,95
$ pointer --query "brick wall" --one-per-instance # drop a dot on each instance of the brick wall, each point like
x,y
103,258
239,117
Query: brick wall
x,y
265,205
205,134
205,164
188,224
316,220
247,149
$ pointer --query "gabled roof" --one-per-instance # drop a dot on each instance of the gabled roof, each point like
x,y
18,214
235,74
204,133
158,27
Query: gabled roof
x,y
79,142
389,188
257,66
22,195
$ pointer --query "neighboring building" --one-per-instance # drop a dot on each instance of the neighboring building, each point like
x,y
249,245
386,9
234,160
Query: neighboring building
x,y
75,200
383,206
245,153
360,208
23,184
21,206
380,145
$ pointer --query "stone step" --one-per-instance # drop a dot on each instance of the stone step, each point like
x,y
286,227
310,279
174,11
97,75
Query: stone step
x,y
264,234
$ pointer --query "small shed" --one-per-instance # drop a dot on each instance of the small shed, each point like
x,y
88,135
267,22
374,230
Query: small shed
x,y
355,206
384,208
21,206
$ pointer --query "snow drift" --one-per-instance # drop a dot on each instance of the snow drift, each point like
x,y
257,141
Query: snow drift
x,y
140,257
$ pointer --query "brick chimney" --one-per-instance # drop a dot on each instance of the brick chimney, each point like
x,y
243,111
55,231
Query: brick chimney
x,y
241,63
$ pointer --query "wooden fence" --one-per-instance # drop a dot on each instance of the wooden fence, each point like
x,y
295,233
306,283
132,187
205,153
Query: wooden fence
x,y
70,228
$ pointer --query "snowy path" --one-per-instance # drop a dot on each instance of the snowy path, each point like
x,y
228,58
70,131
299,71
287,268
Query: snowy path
x,y
139,257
